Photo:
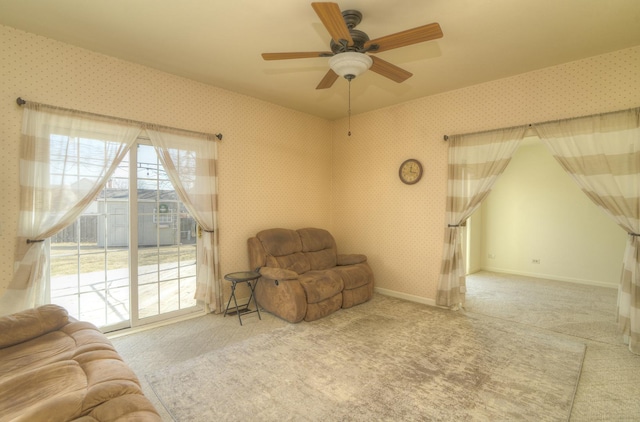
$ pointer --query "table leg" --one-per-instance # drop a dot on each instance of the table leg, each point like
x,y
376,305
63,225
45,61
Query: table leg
x,y
233,285
235,301
255,299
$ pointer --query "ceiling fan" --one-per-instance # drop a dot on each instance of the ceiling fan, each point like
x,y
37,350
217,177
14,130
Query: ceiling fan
x,y
350,47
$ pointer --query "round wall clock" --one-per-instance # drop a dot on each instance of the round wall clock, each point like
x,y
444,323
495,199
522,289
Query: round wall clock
x,y
410,171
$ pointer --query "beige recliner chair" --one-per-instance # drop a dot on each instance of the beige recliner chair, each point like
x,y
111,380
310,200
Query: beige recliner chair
x,y
303,276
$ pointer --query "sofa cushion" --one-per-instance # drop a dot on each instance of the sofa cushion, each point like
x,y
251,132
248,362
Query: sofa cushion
x,y
296,262
354,275
279,242
129,407
319,247
283,249
321,260
31,323
323,308
320,285
55,389
41,351
352,297
313,239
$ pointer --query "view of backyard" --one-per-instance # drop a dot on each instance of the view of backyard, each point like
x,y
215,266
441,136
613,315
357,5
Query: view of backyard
x,y
93,273
93,257
93,283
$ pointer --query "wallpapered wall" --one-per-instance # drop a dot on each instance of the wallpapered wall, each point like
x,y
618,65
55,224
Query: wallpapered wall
x,y
350,184
264,151
401,227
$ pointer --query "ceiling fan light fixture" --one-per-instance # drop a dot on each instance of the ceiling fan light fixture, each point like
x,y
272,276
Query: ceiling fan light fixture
x,y
350,64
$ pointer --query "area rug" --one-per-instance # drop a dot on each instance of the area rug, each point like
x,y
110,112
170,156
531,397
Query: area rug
x,y
578,310
387,359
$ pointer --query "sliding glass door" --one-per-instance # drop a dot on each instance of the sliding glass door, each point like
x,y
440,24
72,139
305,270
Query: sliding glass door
x,y
130,258
166,242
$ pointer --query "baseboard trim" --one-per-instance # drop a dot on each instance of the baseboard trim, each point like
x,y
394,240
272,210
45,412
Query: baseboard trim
x,y
405,296
551,277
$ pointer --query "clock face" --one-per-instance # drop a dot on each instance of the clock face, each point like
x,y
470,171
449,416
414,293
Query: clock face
x,y
410,171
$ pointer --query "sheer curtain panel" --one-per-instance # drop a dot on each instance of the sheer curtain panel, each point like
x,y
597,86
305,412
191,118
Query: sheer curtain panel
x,y
65,160
602,155
475,163
190,162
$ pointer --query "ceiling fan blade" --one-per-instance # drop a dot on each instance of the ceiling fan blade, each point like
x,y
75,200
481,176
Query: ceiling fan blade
x,y
328,80
389,70
301,55
420,34
331,17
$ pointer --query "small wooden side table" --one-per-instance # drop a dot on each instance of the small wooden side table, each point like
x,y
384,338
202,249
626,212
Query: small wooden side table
x,y
243,277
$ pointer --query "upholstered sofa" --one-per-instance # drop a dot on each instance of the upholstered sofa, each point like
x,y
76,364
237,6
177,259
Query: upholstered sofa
x,y
54,368
304,277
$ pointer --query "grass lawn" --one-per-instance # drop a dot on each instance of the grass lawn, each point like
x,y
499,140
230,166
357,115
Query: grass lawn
x,y
66,257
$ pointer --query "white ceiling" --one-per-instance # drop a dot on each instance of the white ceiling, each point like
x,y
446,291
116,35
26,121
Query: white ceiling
x,y
219,42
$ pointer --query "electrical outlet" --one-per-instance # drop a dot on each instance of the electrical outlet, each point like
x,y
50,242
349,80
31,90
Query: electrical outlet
x,y
535,261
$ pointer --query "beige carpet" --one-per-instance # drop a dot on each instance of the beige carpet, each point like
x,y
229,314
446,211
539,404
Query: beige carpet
x,y
583,311
384,360
609,387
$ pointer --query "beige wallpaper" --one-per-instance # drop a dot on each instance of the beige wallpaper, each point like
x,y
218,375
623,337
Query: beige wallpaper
x,y
275,164
283,168
401,227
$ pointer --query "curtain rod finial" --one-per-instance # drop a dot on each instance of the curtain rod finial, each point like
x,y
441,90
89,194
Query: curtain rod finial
x,y
445,137
219,136
20,101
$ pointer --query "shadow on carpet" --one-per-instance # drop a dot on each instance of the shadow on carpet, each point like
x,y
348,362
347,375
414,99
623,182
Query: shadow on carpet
x,y
387,359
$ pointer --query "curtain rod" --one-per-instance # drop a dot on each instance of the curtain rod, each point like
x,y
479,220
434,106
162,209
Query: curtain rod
x,y
446,137
22,102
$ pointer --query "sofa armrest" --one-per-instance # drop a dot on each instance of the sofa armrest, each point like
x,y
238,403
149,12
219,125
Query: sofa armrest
x,y
31,323
278,273
351,259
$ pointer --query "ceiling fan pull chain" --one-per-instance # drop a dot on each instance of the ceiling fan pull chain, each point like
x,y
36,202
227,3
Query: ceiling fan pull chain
x,y
349,132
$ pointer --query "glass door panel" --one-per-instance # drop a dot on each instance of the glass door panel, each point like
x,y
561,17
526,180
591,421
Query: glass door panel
x,y
89,270
166,242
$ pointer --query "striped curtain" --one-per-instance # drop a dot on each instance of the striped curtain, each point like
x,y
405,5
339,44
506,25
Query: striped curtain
x,y
66,158
602,154
475,163
190,162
